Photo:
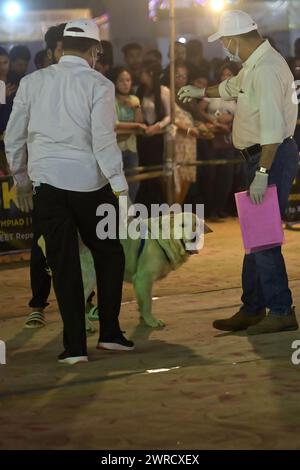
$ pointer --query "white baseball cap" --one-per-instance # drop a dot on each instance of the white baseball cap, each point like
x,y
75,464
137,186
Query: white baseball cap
x,y
89,29
234,22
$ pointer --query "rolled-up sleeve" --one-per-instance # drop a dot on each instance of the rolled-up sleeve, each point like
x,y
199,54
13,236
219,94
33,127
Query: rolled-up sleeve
x,y
16,137
269,94
105,147
229,89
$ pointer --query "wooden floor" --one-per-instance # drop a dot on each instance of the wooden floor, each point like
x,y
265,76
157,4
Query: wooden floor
x,y
186,386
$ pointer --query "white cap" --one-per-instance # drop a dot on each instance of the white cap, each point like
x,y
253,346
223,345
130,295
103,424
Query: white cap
x,y
233,22
89,29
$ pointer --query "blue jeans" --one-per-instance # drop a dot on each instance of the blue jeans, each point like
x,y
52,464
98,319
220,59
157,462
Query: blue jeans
x,y
264,277
130,161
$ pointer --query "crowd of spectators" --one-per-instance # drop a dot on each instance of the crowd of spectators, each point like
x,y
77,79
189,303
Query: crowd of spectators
x,y
202,128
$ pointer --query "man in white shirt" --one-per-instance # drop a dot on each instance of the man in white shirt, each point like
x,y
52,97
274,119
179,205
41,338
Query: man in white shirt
x,y
264,122
66,116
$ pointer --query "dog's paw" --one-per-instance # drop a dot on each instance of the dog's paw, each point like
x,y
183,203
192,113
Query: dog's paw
x,y
153,322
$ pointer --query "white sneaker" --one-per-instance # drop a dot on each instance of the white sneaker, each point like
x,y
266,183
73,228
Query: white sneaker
x,y
120,343
71,360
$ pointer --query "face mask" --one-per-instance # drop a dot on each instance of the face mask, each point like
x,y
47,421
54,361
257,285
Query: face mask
x,y
232,57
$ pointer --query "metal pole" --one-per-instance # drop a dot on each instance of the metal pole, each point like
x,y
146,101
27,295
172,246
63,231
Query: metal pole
x,y
170,138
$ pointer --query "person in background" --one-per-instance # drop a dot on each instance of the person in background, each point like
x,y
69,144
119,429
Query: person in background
x,y
130,118
194,54
186,138
19,57
5,109
40,279
215,65
105,60
153,55
180,55
199,76
53,40
41,60
155,102
133,57
220,114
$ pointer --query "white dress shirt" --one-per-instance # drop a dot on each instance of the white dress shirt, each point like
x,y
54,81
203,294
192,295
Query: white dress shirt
x,y
266,103
66,116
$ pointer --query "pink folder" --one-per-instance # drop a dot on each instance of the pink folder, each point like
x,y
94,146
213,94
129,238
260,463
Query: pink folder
x,y
261,224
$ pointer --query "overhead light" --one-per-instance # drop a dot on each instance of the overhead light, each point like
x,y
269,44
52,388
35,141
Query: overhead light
x,y
12,9
217,5
182,40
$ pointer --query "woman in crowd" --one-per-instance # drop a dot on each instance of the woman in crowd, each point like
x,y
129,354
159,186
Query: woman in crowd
x,y
5,109
186,138
155,102
220,114
130,120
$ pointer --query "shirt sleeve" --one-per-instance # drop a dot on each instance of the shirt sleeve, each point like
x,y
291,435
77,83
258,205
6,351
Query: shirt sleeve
x,y
229,89
105,147
269,93
165,97
15,138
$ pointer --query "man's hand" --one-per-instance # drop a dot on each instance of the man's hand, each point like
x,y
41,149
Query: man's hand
x,y
258,187
189,92
24,197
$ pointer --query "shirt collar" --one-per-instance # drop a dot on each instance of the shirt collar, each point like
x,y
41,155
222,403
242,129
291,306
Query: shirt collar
x,y
257,54
74,59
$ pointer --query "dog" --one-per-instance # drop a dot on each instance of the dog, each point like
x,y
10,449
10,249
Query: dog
x,y
148,258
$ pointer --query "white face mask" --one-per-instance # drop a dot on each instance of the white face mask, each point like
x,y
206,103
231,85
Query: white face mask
x,y
232,57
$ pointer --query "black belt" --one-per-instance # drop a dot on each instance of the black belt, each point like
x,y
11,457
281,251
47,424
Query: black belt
x,y
256,149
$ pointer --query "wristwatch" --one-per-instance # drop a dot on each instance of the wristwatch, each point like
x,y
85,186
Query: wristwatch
x,y
263,170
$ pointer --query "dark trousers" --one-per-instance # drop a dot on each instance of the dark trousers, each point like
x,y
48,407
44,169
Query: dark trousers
x,y
264,278
40,279
60,215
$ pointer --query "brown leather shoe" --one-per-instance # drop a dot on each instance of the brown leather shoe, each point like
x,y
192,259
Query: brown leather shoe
x,y
239,321
274,324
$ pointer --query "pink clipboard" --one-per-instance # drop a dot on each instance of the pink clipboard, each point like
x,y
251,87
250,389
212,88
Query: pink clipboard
x,y
261,224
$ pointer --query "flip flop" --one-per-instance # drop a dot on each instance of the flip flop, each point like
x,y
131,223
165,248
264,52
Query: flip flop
x,y
93,314
35,320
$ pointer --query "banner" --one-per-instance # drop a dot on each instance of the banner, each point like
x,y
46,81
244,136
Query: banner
x,y
15,226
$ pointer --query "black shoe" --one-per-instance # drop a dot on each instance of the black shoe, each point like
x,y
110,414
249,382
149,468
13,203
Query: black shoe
x,y
66,358
118,343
